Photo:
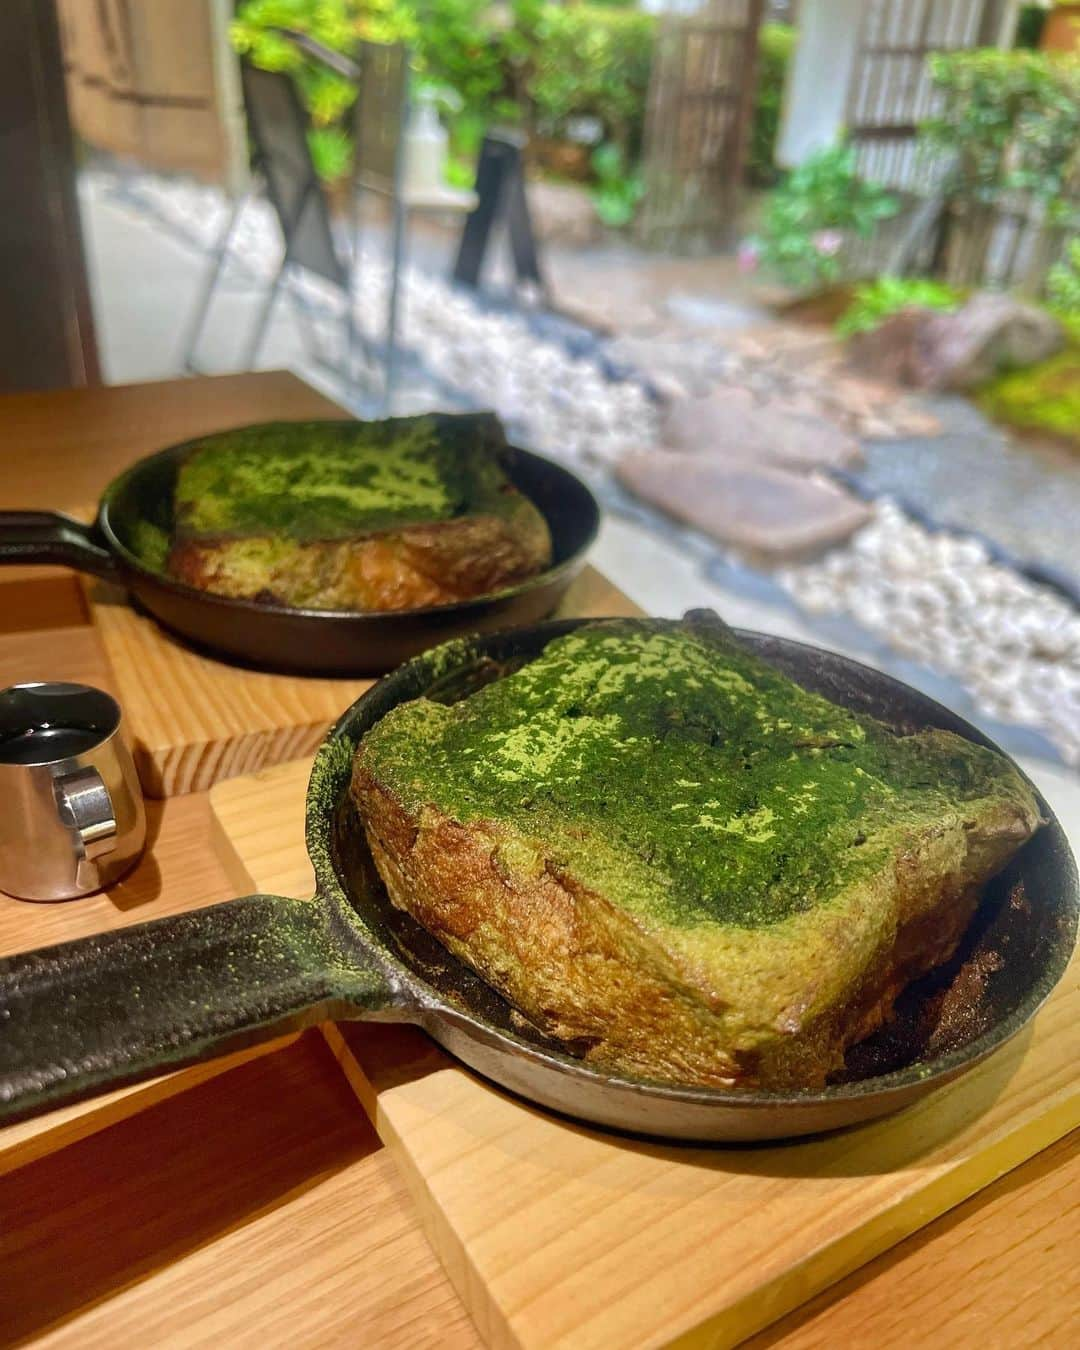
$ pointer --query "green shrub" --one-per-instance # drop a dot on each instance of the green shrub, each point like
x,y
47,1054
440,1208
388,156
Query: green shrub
x,y
1046,397
331,152
1012,120
776,42
337,24
618,189
875,301
546,65
457,45
592,61
812,217
1063,283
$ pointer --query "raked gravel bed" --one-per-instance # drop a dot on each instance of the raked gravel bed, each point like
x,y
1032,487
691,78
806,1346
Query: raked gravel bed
x,y
935,596
940,599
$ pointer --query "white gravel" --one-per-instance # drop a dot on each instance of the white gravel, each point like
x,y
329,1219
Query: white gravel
x,y
562,405
939,598
935,597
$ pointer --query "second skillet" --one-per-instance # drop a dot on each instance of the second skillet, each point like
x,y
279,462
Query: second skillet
x,y
88,1015
302,641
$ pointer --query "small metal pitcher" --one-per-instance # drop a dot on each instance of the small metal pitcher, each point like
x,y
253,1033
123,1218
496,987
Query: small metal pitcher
x,y
72,819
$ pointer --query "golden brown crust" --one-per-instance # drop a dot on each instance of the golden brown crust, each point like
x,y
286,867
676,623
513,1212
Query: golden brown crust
x,y
584,972
543,941
410,568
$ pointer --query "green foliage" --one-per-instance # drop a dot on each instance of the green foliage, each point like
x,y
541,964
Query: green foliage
x,y
1012,120
458,45
542,66
331,152
813,215
592,61
1063,283
776,42
545,65
460,172
1045,397
875,301
327,96
618,190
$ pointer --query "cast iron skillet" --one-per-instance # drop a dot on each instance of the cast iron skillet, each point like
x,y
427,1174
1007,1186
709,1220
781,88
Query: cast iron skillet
x,y
304,641
87,1015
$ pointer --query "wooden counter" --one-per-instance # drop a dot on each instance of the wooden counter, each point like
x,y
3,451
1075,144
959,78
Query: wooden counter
x,y
255,1205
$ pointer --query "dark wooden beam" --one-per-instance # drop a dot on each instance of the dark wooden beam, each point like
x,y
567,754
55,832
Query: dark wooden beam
x,y
46,324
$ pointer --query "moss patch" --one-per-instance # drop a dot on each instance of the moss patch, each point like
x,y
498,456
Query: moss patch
x,y
1045,397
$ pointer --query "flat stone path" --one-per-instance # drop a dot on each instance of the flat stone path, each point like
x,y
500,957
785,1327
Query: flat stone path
x,y
768,514
973,476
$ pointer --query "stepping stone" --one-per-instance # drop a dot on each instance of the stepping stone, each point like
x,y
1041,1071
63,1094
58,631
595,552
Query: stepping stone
x,y
768,513
731,425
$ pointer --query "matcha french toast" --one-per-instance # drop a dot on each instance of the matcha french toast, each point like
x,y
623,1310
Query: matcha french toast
x,y
399,514
660,849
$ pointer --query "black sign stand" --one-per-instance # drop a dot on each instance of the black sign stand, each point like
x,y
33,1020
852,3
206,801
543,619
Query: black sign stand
x,y
500,189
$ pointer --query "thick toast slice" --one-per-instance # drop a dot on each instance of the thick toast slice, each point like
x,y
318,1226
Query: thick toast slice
x,y
654,844
409,512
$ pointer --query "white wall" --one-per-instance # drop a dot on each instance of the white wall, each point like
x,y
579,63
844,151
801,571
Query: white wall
x,y
815,96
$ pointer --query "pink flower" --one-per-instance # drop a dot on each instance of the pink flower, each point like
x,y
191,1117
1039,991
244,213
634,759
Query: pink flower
x,y
748,256
828,242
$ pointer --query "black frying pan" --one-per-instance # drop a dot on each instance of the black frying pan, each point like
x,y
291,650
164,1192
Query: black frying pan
x,y
88,1015
305,641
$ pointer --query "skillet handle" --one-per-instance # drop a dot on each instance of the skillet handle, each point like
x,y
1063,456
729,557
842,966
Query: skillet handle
x,y
52,537
88,1015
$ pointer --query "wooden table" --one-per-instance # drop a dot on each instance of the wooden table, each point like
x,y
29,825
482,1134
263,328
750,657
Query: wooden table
x,y
257,1206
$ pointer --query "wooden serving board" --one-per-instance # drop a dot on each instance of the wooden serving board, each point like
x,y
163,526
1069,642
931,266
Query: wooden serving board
x,y
255,1209
194,721
558,1235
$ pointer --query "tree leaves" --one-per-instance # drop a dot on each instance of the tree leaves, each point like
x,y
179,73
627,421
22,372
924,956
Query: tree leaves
x,y
1012,121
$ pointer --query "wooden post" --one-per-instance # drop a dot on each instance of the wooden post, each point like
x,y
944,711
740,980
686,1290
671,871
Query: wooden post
x,y
745,107
46,323
701,93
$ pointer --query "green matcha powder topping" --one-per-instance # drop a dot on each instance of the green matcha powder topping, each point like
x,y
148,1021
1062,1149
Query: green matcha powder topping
x,y
672,770
326,480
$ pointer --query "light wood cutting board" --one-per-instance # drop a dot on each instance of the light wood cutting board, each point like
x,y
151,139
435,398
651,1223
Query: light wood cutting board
x,y
558,1235
195,721
256,1210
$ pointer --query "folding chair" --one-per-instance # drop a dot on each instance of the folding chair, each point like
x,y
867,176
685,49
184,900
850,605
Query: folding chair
x,y
281,161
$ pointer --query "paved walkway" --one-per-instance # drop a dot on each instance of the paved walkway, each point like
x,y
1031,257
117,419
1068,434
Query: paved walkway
x,y
974,476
